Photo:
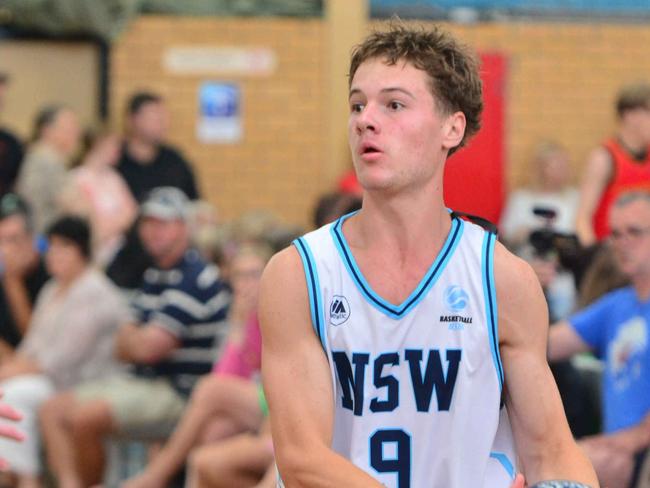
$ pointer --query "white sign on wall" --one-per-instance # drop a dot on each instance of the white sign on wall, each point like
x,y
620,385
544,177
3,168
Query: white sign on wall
x,y
221,61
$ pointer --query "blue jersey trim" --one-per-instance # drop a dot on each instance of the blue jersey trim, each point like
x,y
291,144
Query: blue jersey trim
x,y
313,287
423,287
505,462
489,291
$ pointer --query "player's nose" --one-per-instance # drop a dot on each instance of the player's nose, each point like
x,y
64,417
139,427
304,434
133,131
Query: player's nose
x,y
367,119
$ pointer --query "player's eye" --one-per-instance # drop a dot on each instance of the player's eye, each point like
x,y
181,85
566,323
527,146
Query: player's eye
x,y
395,105
356,107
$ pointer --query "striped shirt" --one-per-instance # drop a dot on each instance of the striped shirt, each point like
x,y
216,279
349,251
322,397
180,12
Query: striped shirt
x,y
190,301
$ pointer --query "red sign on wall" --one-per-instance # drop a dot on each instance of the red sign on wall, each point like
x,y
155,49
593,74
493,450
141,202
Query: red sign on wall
x,y
474,177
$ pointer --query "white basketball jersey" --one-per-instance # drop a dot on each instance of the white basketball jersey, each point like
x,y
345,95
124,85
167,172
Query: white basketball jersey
x,y
417,386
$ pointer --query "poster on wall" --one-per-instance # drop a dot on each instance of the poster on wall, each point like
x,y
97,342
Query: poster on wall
x,y
219,120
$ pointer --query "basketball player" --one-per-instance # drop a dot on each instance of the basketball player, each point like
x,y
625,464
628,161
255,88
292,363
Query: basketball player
x,y
393,336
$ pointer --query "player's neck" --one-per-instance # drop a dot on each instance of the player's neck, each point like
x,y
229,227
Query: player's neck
x,y
405,223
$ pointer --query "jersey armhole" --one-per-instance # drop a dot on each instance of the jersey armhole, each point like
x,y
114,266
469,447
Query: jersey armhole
x,y
313,287
491,310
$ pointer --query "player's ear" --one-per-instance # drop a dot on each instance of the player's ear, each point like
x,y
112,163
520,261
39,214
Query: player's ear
x,y
453,130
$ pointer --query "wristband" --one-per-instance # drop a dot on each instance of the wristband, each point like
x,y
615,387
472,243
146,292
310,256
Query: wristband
x,y
559,484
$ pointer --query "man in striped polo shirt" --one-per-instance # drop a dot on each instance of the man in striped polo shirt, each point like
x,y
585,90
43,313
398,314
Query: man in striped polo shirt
x,y
179,319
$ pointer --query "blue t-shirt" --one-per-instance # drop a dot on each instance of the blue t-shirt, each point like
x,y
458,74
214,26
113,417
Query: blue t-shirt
x,y
616,328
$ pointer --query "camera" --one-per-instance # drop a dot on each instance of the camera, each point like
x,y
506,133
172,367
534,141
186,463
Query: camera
x,y
547,242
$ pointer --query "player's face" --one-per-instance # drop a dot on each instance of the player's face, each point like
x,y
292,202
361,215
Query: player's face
x,y
397,135
630,237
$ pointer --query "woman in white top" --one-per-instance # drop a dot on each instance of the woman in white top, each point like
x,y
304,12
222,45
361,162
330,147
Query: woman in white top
x,y
69,340
549,189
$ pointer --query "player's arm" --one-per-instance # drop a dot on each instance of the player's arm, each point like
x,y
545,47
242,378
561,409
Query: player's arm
x,y
297,383
595,179
544,442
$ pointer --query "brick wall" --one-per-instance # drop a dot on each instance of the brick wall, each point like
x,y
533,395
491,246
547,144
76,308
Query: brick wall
x,y
279,163
562,82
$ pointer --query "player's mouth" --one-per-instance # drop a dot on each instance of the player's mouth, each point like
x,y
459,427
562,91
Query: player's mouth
x,y
368,150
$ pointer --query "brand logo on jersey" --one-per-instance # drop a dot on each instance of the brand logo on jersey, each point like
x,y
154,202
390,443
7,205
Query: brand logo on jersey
x,y
339,310
456,300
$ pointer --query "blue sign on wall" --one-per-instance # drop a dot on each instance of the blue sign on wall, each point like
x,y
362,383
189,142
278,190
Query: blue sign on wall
x,y
219,118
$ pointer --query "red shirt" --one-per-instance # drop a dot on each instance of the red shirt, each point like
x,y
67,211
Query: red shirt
x,y
627,174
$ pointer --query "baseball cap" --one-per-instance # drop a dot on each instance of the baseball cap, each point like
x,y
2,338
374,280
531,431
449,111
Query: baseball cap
x,y
12,204
165,203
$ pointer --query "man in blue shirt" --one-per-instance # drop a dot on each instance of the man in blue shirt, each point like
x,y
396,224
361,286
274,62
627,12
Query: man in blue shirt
x,y
616,329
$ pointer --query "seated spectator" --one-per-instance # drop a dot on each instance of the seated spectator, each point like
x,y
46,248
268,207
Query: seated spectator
x,y
179,320
11,149
616,328
23,272
98,192
549,190
43,172
146,162
70,338
227,402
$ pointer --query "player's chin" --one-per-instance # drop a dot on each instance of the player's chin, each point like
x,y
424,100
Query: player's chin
x,y
375,179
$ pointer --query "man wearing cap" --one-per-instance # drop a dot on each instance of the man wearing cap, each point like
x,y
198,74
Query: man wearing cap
x,y
22,274
11,149
179,317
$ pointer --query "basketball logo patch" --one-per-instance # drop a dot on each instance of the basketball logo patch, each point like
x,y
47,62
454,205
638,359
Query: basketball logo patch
x,y
456,298
339,310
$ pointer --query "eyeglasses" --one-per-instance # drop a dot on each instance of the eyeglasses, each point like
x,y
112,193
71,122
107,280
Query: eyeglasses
x,y
633,233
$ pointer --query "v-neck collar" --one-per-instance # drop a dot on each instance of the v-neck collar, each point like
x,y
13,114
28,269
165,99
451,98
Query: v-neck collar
x,y
425,284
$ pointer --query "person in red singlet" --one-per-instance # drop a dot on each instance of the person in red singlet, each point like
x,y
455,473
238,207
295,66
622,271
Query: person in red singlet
x,y
620,164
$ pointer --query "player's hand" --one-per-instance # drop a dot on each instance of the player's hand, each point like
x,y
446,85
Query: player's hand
x,y
7,430
519,481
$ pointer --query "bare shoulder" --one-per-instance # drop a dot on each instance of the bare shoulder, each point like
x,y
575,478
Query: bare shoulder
x,y
521,305
514,277
284,300
284,265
